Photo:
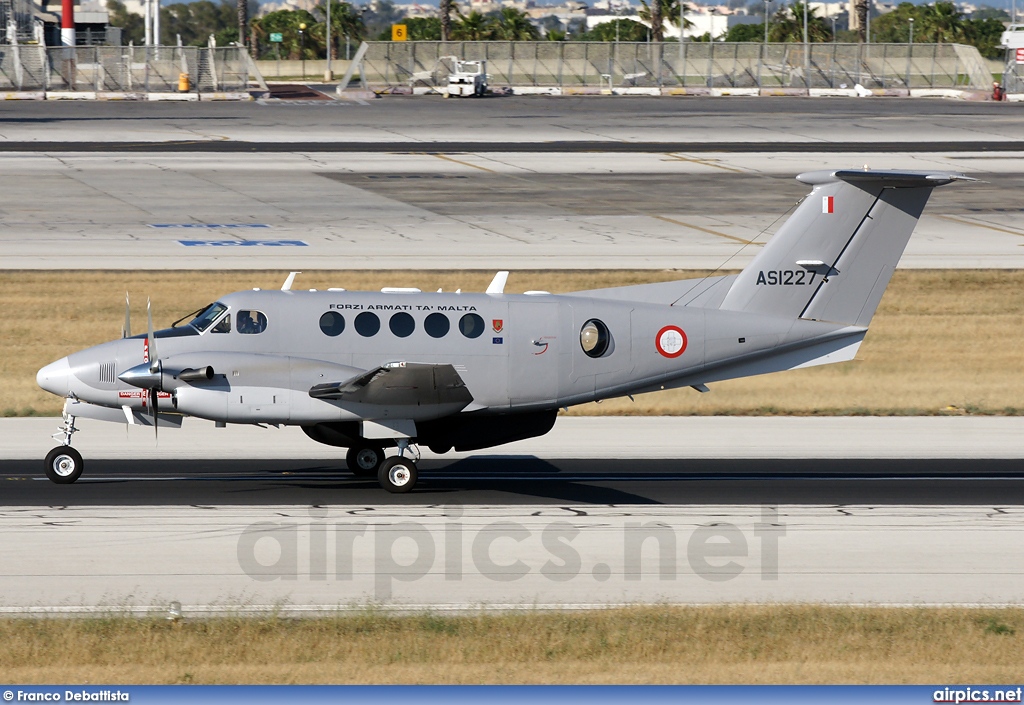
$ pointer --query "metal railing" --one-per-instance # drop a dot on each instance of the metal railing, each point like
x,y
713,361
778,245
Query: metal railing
x,y
123,69
682,65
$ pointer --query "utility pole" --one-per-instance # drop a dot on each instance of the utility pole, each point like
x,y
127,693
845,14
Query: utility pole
x,y
328,74
766,21
807,51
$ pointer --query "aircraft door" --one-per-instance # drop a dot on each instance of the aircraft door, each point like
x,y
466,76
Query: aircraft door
x,y
534,352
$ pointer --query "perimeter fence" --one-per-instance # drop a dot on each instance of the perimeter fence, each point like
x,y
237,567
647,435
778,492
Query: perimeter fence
x,y
1013,73
681,65
33,67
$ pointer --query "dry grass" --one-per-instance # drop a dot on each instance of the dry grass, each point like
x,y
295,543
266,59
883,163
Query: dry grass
x,y
949,338
774,644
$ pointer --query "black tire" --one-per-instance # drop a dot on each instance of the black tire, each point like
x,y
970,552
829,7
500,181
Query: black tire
x,y
397,475
364,461
64,465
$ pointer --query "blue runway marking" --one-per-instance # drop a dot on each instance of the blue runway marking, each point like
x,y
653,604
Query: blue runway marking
x,y
243,243
203,226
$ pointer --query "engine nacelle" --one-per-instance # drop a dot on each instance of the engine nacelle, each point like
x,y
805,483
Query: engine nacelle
x,y
209,404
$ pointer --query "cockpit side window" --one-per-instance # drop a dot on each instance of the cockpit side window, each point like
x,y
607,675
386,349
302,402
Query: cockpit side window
x,y
224,326
251,322
205,319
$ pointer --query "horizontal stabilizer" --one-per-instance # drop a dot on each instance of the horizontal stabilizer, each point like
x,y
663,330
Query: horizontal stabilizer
x,y
399,384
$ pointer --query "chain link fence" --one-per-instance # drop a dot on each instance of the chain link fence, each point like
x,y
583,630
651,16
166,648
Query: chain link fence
x,y
28,67
681,65
1013,73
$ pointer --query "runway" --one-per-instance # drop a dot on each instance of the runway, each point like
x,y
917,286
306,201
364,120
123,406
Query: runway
x,y
600,511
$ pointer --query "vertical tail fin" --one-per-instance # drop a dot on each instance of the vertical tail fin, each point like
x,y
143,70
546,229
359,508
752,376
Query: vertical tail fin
x,y
833,258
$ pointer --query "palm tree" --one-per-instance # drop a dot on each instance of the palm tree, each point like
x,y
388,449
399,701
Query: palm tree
x,y
346,21
657,11
445,11
860,9
942,22
243,20
473,27
653,15
788,25
514,25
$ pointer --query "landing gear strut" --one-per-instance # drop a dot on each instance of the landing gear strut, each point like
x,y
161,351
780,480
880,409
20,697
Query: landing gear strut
x,y
64,464
399,474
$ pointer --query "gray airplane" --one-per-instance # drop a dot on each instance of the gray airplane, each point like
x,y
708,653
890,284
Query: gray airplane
x,y
368,371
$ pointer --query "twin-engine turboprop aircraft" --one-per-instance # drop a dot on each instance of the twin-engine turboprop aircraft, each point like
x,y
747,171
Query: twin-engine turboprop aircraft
x,y
373,370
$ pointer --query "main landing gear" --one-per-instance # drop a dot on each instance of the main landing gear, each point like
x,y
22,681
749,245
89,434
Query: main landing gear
x,y
64,464
396,475
364,460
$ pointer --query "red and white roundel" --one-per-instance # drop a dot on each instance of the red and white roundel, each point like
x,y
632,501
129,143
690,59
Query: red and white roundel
x,y
671,341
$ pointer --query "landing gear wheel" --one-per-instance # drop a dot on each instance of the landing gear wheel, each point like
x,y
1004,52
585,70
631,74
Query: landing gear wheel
x,y
397,475
364,461
64,465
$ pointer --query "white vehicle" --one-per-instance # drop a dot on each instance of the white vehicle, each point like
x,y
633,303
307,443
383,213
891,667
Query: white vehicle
x,y
468,79
1013,37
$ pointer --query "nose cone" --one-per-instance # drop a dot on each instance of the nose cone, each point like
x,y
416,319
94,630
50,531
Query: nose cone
x,y
55,377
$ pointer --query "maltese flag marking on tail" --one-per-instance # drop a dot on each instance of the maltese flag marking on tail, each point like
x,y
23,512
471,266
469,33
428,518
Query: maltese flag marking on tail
x,y
828,204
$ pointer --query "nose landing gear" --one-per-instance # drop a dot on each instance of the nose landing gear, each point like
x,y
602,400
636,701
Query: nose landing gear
x,y
64,464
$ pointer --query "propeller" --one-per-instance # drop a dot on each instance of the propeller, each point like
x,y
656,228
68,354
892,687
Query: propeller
x,y
154,368
126,330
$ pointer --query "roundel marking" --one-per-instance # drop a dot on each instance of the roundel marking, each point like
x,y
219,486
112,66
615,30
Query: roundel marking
x,y
671,341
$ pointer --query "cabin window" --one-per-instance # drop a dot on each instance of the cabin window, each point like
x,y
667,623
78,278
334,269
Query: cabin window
x,y
332,323
224,326
437,325
594,338
250,322
210,314
402,325
367,324
471,325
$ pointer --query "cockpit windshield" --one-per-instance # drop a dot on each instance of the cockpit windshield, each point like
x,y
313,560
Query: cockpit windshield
x,y
208,316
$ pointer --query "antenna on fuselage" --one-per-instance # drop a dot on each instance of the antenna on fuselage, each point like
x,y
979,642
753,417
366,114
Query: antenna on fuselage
x,y
289,281
497,285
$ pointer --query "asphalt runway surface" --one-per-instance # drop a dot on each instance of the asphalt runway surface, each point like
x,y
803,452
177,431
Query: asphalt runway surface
x,y
528,480
298,211
504,120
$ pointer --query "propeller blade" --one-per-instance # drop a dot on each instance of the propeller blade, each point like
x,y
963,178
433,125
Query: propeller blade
x,y
155,410
154,359
126,331
154,367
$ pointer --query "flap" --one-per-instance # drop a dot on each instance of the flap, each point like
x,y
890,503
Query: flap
x,y
401,383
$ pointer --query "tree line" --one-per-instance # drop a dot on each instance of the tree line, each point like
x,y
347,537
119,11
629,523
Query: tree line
x,y
304,33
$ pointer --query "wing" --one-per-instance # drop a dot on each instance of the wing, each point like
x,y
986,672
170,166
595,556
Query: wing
x,y
400,384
